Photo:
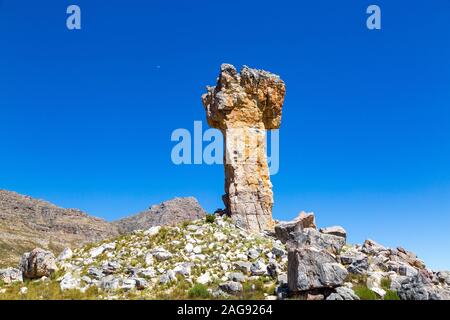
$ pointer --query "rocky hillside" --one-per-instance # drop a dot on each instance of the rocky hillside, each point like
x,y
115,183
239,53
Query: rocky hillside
x,y
170,213
26,223
212,258
198,259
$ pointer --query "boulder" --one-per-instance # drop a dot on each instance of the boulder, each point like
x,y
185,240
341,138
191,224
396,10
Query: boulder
x,y
371,247
183,269
258,268
444,276
374,283
69,282
152,231
237,277
37,264
161,254
284,229
96,273
312,237
231,287
343,293
243,266
65,254
10,275
109,283
335,231
356,263
205,278
310,268
421,288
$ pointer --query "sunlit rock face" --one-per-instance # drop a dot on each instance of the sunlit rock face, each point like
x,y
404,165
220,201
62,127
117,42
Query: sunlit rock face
x,y
243,106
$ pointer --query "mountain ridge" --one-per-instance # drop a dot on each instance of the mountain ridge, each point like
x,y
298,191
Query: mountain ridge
x,y
27,222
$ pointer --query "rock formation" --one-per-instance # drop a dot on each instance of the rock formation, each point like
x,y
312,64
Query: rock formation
x,y
243,106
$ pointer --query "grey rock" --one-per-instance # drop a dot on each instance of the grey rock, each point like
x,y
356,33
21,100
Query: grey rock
x,y
273,270
95,273
65,254
356,263
128,284
282,291
282,278
284,229
253,254
161,254
109,283
37,264
237,277
147,272
343,293
278,252
335,231
69,282
243,266
231,287
183,269
164,279
141,283
110,267
310,268
167,277
371,247
420,288
312,237
258,268
444,276
10,275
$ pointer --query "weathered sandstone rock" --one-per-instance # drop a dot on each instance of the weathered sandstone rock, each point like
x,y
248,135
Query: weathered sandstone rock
x,y
243,106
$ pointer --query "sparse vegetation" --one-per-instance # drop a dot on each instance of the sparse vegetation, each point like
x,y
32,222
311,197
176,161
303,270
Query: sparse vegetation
x,y
391,295
365,293
198,291
210,218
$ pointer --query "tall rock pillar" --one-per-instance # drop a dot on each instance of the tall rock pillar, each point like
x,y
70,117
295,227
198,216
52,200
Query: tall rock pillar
x,y
243,106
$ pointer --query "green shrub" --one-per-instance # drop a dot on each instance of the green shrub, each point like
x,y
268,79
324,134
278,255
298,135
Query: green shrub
x,y
210,218
365,293
198,291
391,295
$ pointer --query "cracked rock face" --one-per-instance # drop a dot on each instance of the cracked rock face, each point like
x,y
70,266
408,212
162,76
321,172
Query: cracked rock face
x,y
243,106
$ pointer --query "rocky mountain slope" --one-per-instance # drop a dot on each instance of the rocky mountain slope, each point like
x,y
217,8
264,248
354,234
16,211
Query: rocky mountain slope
x,y
170,213
212,258
26,223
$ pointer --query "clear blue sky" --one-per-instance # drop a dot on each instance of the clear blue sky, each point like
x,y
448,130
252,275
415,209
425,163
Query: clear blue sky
x,y
86,116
